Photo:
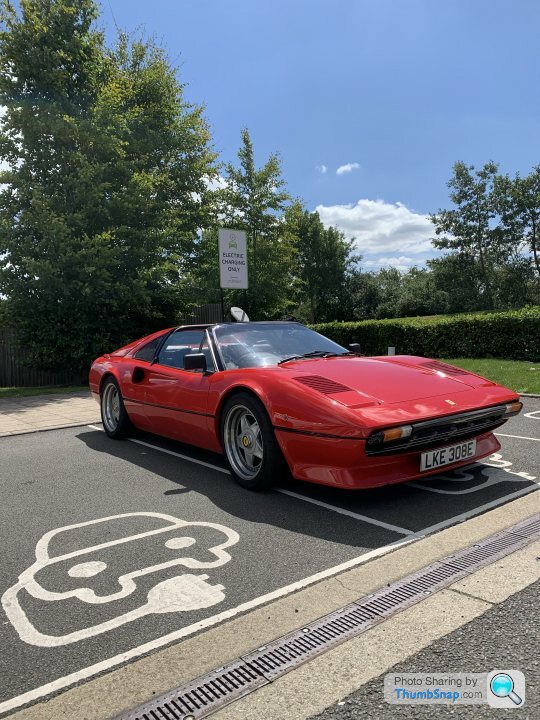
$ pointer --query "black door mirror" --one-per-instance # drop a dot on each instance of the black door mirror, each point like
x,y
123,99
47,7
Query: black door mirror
x,y
195,361
355,348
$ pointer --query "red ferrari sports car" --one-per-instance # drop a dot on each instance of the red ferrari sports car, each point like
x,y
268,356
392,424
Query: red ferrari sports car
x,y
272,395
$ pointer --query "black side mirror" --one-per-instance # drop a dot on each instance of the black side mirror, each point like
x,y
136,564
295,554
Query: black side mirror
x,y
355,348
195,361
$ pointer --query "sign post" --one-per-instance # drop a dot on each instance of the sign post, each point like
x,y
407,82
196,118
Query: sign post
x,y
233,262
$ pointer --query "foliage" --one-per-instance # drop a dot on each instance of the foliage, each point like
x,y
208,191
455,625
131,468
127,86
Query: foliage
x,y
487,234
106,186
518,202
252,200
324,264
468,228
513,334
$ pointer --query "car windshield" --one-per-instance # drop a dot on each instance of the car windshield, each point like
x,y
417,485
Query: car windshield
x,y
264,344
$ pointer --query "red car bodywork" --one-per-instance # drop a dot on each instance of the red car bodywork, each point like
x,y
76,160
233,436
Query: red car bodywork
x,y
323,410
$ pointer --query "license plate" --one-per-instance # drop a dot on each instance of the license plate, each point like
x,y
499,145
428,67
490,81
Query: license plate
x,y
447,455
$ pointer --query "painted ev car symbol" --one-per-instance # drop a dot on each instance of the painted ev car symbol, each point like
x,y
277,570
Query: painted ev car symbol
x,y
80,574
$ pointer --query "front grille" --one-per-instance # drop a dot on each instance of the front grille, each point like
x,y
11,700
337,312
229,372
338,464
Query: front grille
x,y
432,433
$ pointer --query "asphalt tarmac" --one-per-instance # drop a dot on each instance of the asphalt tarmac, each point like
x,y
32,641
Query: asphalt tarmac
x,y
122,547
506,636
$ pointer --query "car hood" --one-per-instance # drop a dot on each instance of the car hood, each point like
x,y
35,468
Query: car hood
x,y
358,381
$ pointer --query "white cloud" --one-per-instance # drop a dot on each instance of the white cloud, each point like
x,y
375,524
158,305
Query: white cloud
x,y
403,262
216,183
381,229
321,168
347,168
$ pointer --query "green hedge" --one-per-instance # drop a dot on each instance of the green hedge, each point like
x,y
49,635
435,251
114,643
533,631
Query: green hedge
x,y
514,335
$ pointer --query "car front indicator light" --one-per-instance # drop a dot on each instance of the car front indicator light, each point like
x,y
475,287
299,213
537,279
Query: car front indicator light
x,y
397,433
513,408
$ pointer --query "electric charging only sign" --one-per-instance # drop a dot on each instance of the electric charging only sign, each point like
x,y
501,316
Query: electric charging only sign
x,y
233,259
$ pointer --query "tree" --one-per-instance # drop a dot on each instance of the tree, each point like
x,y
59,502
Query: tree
x,y
518,201
252,200
468,230
106,187
324,262
420,294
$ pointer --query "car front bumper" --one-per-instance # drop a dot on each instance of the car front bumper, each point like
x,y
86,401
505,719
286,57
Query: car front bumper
x,y
343,462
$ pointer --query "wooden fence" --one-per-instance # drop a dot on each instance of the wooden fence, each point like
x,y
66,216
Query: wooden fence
x,y
14,372
202,314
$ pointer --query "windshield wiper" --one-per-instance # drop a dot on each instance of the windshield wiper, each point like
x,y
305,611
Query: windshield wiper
x,y
314,354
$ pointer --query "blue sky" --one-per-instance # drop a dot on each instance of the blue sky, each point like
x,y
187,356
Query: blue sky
x,y
401,88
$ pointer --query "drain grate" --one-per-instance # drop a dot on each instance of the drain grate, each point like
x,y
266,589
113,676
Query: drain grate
x,y
202,696
209,693
528,528
486,552
286,653
410,590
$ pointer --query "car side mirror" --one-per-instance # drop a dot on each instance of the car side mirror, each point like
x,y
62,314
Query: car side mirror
x,y
355,348
195,361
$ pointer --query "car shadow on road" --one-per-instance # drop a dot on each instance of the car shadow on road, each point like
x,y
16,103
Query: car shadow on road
x,y
268,508
410,506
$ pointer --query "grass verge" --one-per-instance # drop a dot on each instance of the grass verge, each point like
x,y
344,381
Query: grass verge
x,y
10,392
518,375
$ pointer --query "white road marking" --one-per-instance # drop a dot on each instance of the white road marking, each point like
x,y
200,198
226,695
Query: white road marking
x,y
104,665
343,511
497,463
181,592
431,529
519,437
534,415
170,452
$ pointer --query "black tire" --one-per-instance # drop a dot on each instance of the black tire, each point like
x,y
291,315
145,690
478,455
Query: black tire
x,y
265,470
114,417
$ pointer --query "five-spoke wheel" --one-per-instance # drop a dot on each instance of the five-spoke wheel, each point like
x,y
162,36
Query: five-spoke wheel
x,y
113,413
243,441
250,446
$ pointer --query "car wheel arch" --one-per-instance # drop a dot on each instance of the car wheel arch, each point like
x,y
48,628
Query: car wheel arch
x,y
236,390
104,379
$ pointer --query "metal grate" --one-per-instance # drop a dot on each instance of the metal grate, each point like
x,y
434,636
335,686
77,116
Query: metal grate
x,y
431,433
322,385
528,528
209,693
286,653
411,589
486,552
202,696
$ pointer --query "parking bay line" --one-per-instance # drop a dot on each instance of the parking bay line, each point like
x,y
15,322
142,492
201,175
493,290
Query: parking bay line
x,y
105,665
313,501
343,511
518,437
